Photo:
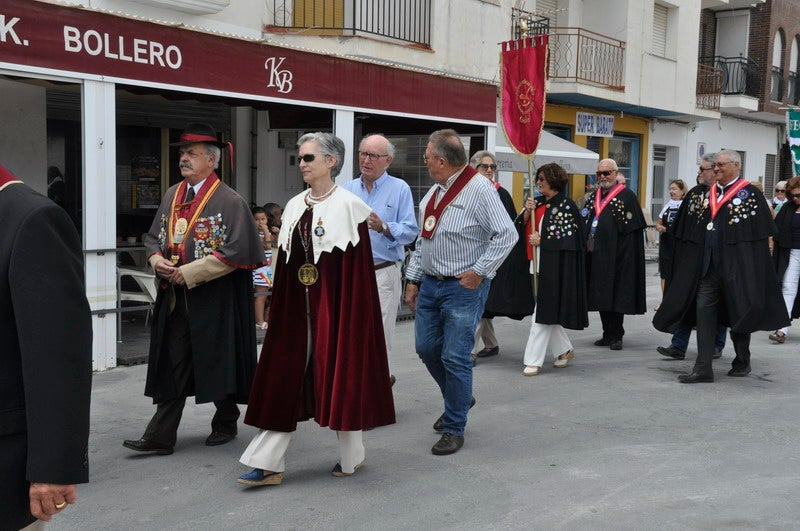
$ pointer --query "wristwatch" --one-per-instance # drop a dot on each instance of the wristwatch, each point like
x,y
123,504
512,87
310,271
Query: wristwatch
x,y
384,228
416,283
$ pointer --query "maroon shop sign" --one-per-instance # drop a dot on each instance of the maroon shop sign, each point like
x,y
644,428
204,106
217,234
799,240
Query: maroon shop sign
x,y
45,35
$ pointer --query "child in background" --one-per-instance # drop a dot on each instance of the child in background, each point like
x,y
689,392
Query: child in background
x,y
262,277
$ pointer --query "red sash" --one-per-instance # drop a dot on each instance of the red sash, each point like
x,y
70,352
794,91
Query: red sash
x,y
433,211
600,205
189,211
6,177
717,204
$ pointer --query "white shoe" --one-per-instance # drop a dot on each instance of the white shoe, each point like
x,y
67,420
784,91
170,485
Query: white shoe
x,y
564,359
530,370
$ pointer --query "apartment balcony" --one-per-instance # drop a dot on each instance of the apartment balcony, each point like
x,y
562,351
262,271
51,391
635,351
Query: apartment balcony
x,y
403,21
709,87
741,79
526,24
578,55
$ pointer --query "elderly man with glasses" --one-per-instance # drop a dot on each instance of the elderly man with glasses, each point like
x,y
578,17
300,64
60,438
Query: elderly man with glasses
x,y
392,222
615,253
725,274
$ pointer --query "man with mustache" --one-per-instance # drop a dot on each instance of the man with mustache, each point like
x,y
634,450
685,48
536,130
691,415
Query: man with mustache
x,y
202,246
615,253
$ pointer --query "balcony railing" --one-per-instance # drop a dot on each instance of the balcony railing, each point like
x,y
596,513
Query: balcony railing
x,y
792,89
527,24
709,87
776,84
740,75
580,55
403,20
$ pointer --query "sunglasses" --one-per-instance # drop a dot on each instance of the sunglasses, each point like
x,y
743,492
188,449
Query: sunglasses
x,y
604,173
792,196
308,157
779,190
488,166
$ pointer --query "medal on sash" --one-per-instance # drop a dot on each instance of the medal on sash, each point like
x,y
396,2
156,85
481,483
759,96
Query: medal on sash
x,y
710,225
601,204
180,230
319,230
430,222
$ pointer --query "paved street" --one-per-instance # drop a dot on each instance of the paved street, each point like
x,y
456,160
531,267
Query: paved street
x,y
611,442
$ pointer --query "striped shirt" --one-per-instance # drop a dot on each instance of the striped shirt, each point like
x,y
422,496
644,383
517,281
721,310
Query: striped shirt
x,y
474,233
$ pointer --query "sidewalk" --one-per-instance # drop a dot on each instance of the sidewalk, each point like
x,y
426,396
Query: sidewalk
x,y
611,442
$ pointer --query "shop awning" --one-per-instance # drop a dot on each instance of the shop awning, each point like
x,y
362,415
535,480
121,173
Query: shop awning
x,y
573,158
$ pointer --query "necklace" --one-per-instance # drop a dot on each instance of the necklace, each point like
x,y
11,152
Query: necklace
x,y
323,196
308,272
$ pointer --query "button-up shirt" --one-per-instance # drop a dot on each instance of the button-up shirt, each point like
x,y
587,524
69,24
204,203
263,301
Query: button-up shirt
x,y
474,232
391,200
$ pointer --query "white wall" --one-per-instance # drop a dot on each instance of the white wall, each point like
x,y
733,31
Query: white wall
x,y
756,139
23,133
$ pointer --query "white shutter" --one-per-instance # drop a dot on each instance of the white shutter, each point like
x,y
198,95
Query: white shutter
x,y
547,8
660,30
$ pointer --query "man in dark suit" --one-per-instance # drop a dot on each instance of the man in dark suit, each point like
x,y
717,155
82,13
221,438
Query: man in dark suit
x,y
45,362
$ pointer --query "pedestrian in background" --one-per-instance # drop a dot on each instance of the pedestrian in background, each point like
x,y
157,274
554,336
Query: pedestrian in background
x,y
511,291
666,244
786,254
780,196
392,222
46,364
262,276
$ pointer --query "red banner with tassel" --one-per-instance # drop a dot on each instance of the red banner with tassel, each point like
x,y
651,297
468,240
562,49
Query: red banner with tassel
x,y
524,70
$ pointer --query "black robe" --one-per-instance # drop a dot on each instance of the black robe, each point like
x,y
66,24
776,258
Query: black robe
x,y
782,249
615,267
562,277
751,293
511,291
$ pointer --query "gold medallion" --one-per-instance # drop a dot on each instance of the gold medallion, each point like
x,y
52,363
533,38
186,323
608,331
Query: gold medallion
x,y
181,225
430,222
175,258
308,274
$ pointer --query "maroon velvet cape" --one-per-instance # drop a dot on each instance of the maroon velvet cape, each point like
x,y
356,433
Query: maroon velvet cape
x,y
346,386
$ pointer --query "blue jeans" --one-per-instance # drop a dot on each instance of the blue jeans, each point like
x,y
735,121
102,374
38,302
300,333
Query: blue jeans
x,y
680,338
447,315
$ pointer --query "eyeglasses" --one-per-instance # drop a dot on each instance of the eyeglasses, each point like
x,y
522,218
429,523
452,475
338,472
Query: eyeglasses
x,y
370,156
780,190
426,158
488,166
605,173
540,178
308,157
702,169
721,164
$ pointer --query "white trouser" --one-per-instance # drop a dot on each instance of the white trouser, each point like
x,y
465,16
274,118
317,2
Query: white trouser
x,y
544,337
484,331
390,287
267,450
790,281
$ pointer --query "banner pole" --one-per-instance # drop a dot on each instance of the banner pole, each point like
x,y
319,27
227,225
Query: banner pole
x,y
531,182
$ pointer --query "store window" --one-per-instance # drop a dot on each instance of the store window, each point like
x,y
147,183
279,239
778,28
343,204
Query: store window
x,y
625,149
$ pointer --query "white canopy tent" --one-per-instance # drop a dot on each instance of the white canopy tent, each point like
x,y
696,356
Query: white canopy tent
x,y
573,158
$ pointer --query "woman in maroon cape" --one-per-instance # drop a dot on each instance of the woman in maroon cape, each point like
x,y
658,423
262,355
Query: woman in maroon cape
x,y
324,354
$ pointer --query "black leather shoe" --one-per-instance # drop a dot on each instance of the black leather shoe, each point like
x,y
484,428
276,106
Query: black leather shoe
x,y
717,354
602,342
439,424
695,378
145,445
217,437
488,352
739,372
448,444
616,344
671,352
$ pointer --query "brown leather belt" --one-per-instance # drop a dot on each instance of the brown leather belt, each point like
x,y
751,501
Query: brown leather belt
x,y
381,265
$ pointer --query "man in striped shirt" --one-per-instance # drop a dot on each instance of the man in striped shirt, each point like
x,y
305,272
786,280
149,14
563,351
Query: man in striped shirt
x,y
466,234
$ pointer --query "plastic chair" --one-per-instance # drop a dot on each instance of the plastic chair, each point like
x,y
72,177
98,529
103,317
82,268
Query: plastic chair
x,y
145,280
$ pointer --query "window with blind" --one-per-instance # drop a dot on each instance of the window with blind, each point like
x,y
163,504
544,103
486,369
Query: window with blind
x,y
660,19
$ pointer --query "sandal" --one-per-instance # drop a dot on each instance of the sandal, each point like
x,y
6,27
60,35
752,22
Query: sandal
x,y
778,336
